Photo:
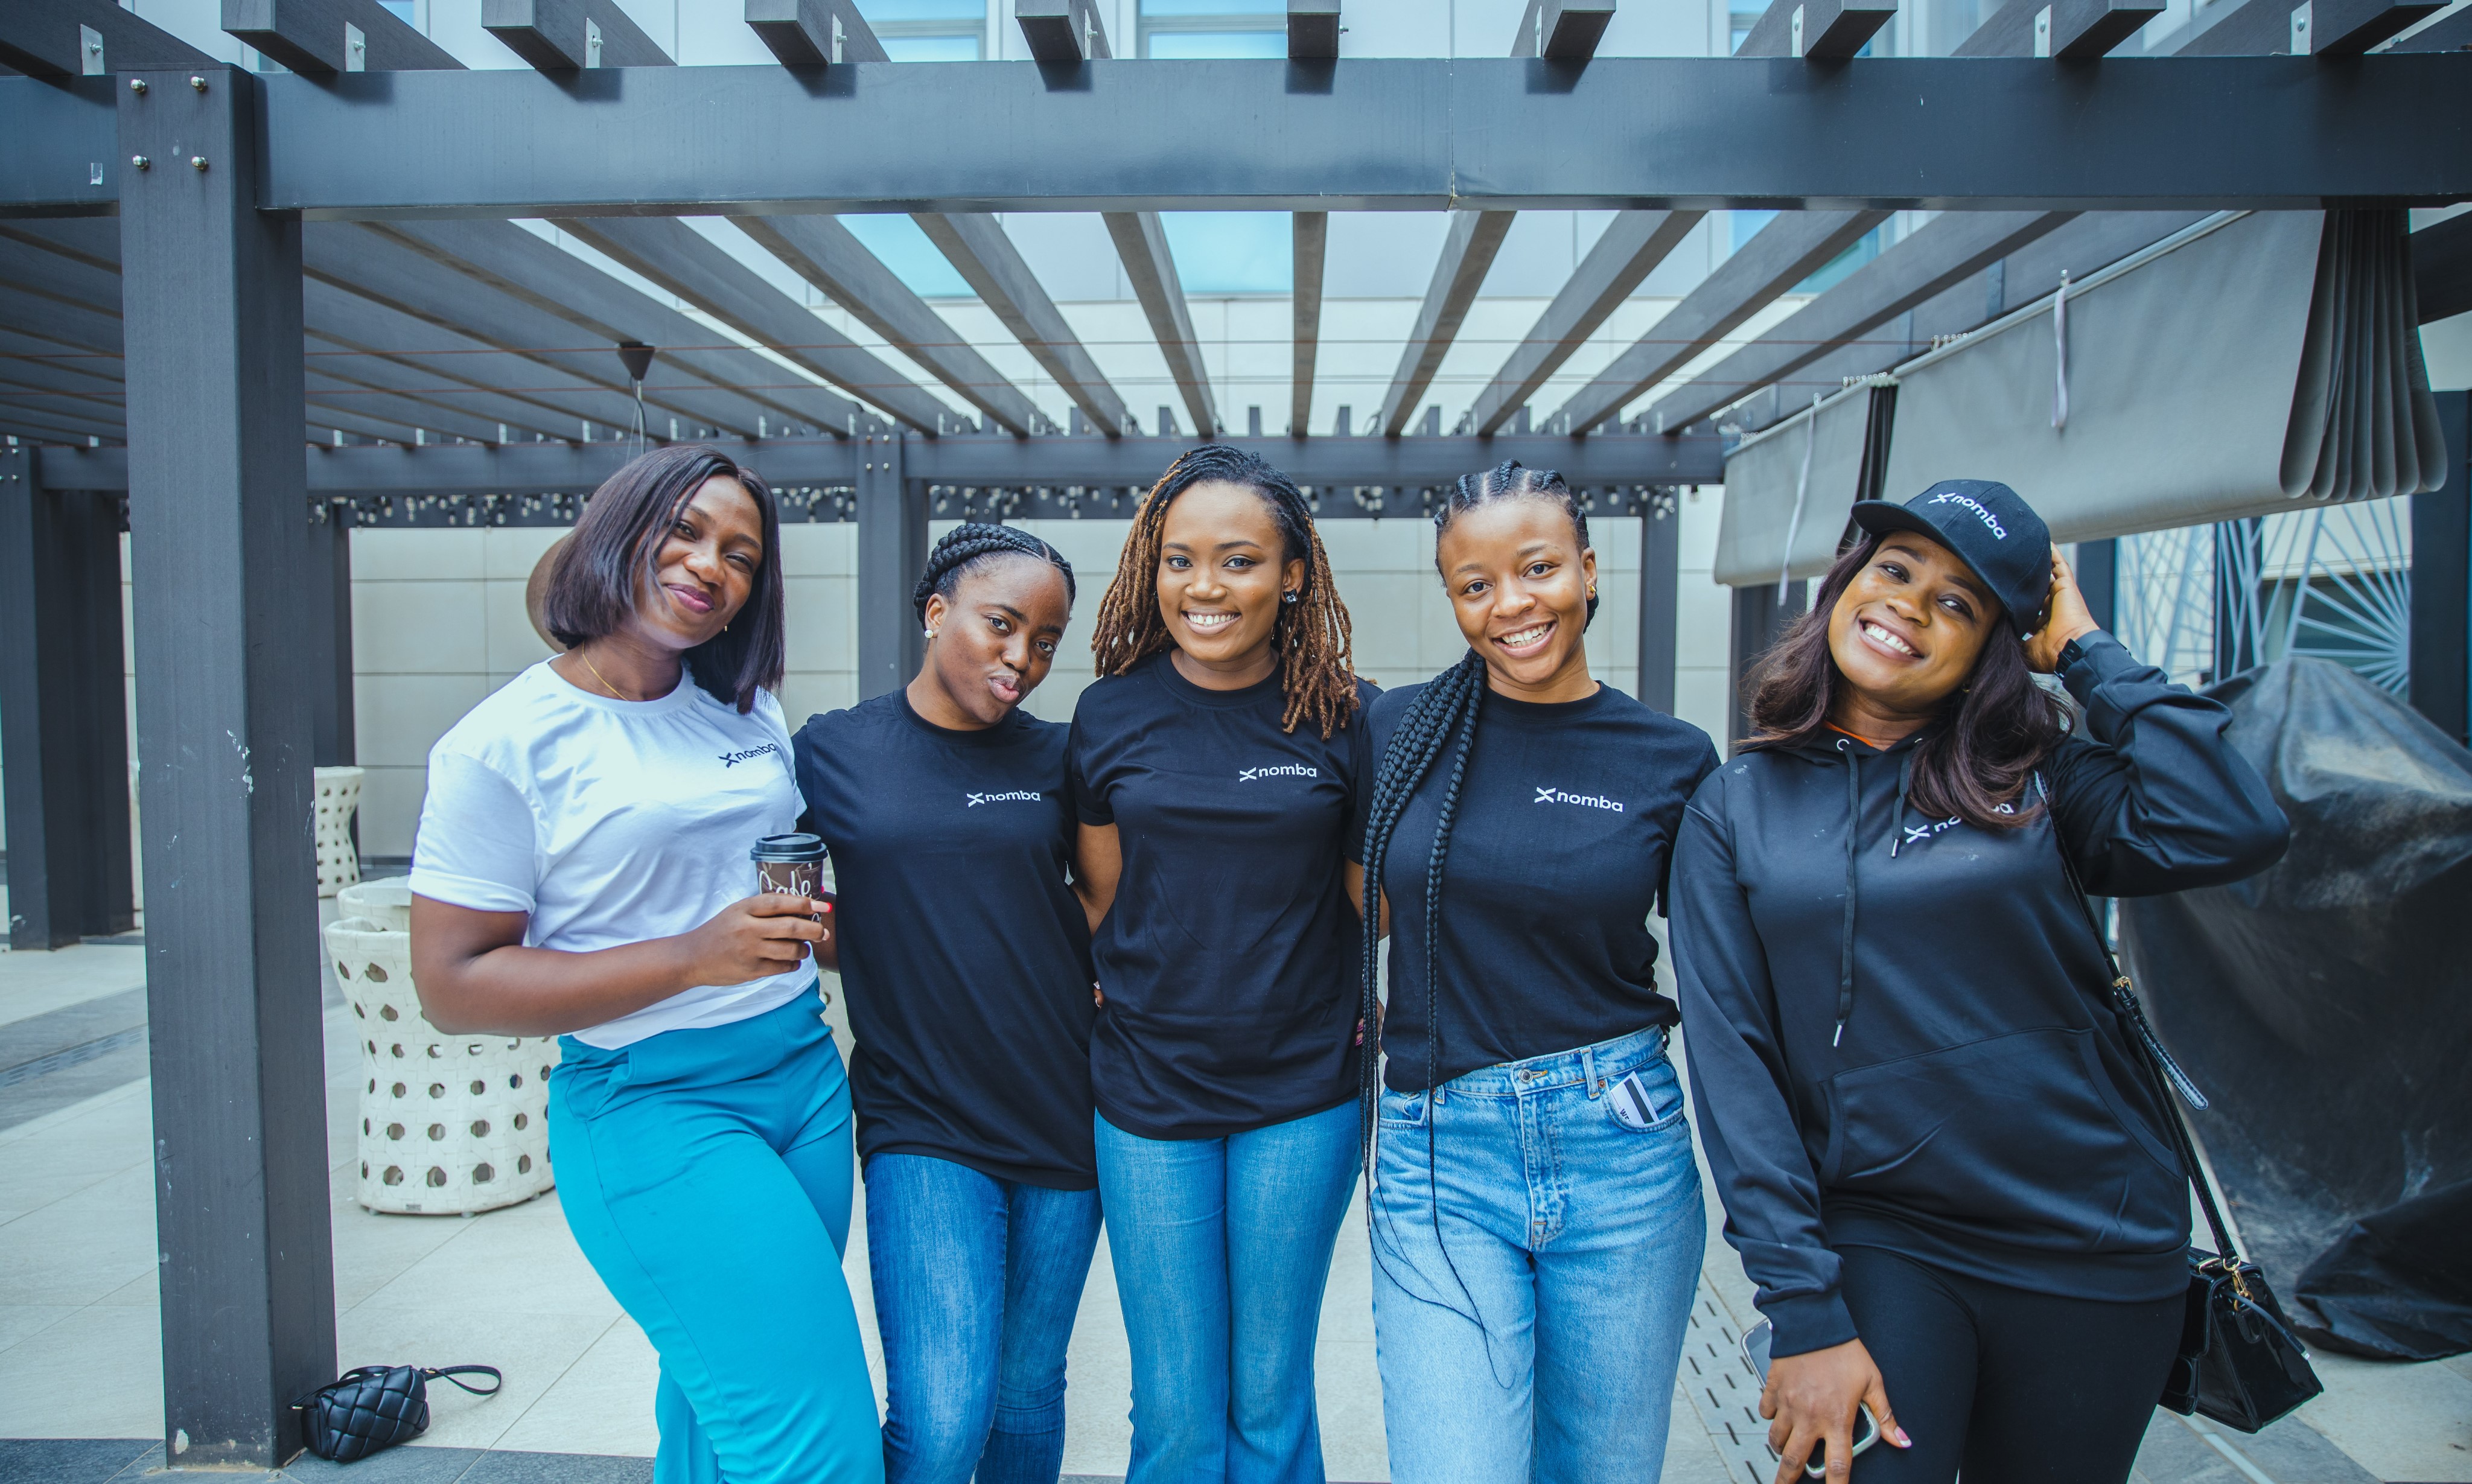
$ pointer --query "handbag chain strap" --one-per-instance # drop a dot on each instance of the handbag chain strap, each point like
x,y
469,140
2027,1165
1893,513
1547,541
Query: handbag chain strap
x,y
2161,1070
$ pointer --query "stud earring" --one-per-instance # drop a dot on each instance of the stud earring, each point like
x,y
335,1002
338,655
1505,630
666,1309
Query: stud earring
x,y
930,633
1287,597
1592,592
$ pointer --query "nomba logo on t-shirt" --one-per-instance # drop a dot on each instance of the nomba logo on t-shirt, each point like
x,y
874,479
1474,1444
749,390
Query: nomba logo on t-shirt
x,y
733,759
1546,794
1285,770
1016,796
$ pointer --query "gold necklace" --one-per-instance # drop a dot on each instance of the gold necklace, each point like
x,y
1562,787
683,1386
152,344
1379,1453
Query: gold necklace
x,y
603,679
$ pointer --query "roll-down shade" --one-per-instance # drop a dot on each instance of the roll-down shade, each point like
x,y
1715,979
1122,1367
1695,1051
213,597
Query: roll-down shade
x,y
2253,363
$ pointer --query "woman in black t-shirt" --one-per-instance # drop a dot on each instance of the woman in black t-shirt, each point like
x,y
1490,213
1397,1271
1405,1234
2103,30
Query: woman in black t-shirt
x,y
949,819
1215,766
1536,1209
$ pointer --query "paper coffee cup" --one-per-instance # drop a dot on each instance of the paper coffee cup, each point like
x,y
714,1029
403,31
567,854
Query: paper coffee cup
x,y
788,865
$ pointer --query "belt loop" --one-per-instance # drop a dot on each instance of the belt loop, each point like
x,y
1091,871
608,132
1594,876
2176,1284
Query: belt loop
x,y
1434,1095
1588,1067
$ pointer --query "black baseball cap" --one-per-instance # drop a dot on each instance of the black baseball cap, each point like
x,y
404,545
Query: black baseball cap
x,y
1990,528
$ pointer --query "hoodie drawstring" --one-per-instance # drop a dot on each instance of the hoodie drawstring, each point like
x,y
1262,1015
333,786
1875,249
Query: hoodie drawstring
x,y
1853,829
1897,820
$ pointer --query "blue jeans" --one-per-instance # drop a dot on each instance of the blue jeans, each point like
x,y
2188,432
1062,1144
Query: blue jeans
x,y
1221,1247
977,1280
1530,1293
706,1176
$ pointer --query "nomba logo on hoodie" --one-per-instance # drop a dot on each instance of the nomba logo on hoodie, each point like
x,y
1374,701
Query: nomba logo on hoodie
x,y
1546,794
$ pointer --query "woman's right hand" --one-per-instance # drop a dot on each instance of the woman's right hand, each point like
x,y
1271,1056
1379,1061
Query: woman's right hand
x,y
766,934
1813,1398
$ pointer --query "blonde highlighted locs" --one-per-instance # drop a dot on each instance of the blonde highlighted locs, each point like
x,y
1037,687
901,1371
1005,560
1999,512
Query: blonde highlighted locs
x,y
1312,637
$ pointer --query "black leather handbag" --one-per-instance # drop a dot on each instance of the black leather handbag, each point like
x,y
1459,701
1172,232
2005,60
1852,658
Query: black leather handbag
x,y
2239,1363
375,1407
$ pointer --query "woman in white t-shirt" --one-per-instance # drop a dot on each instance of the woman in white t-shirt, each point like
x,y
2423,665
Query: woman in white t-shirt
x,y
583,870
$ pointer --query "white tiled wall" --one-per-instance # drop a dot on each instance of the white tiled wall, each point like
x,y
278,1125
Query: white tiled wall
x,y
437,623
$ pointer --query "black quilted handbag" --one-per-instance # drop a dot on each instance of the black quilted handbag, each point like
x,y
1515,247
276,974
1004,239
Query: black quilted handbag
x,y
2239,1361
375,1407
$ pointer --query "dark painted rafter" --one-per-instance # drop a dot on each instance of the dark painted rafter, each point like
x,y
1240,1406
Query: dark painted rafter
x,y
1780,255
825,253
1629,249
1310,234
524,267
1141,244
977,247
1313,30
1944,251
1565,31
569,35
67,39
2319,28
1062,32
2069,30
1816,29
327,37
814,32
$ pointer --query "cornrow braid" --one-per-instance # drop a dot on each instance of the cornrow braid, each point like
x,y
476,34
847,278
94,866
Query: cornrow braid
x,y
1442,715
974,541
1513,479
1311,633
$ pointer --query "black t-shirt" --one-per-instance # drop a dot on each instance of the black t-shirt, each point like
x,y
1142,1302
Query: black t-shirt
x,y
1229,955
1558,851
964,953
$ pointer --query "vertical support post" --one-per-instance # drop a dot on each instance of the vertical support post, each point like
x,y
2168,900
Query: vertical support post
x,y
2097,570
63,724
2441,592
210,289
2240,595
1760,620
891,552
326,588
1660,574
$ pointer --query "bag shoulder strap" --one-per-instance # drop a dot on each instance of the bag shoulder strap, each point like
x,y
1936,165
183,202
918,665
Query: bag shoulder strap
x,y
2165,1072
456,1374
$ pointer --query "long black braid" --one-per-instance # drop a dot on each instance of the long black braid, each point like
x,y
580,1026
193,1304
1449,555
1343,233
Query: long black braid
x,y
1442,716
972,542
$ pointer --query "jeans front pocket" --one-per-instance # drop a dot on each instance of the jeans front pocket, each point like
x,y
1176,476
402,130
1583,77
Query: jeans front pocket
x,y
1403,1110
1648,1099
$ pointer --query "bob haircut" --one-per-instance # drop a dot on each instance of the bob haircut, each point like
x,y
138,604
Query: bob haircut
x,y
1975,758
605,569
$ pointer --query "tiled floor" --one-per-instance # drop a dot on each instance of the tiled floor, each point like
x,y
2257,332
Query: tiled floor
x,y
79,1356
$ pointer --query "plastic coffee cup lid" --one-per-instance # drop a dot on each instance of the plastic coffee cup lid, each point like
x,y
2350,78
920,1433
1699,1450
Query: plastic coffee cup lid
x,y
787,847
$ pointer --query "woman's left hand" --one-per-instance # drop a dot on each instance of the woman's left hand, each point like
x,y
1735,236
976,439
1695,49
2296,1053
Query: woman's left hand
x,y
2067,618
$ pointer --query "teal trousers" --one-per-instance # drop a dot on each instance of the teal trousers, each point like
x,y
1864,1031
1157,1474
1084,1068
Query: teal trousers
x,y
706,1176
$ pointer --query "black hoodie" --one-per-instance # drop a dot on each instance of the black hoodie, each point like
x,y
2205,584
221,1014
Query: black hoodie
x,y
1899,1029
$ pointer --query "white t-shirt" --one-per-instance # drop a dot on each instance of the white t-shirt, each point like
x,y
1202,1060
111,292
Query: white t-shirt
x,y
611,822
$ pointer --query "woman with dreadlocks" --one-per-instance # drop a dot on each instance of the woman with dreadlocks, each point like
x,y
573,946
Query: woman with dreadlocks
x,y
1535,1211
947,815
1215,765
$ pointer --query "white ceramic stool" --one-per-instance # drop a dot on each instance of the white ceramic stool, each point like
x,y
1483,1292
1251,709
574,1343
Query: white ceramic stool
x,y
450,1125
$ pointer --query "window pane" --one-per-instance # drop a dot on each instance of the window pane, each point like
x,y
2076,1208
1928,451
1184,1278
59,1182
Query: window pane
x,y
401,9
924,9
1214,8
906,250
1231,252
1217,43
932,48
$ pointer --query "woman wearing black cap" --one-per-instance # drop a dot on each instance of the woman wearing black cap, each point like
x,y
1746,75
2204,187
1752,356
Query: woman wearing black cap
x,y
945,810
1940,1154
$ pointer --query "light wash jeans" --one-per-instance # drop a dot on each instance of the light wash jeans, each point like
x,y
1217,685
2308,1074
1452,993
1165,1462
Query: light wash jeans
x,y
977,1280
1532,1283
1222,1247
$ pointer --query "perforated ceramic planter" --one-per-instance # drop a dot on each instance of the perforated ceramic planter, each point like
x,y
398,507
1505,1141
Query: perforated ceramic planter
x,y
339,794
450,1125
386,902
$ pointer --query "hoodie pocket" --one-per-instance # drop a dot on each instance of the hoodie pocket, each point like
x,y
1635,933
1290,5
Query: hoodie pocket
x,y
2021,1136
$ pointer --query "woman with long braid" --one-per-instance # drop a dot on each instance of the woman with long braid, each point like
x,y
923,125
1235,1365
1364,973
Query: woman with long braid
x,y
1215,766
948,819
1535,1213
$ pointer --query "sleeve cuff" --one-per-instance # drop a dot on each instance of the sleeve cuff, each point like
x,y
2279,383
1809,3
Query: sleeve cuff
x,y
468,892
1808,1322
1090,816
2100,658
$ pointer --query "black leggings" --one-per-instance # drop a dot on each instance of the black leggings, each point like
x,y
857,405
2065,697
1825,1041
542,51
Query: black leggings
x,y
2009,1385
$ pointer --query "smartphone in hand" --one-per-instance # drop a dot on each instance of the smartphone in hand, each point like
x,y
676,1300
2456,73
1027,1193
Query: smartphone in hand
x,y
1755,1350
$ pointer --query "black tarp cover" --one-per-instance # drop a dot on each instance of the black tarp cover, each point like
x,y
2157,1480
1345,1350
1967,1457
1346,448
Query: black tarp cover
x,y
2323,1008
